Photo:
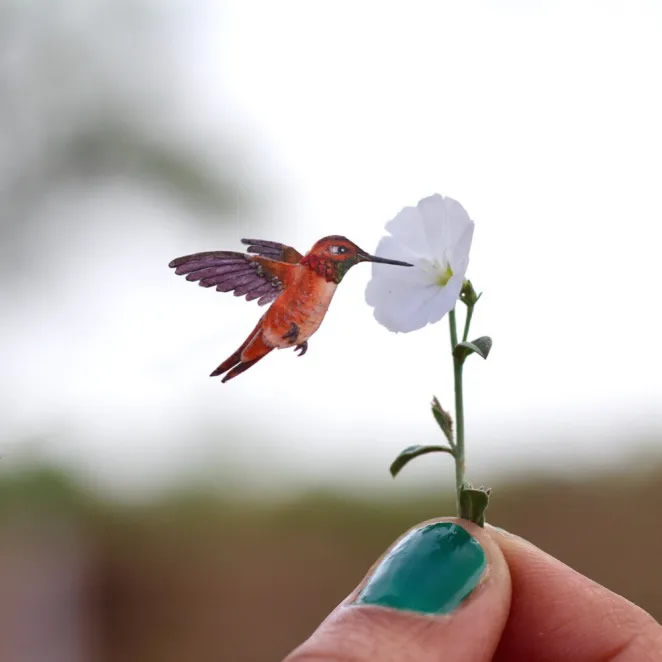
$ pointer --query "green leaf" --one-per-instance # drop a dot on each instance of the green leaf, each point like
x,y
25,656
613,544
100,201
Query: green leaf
x,y
411,452
473,503
480,346
443,419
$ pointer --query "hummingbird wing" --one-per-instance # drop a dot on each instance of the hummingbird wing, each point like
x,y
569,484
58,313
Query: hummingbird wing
x,y
254,276
273,250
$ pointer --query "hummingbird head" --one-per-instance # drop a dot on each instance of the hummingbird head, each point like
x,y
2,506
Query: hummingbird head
x,y
333,256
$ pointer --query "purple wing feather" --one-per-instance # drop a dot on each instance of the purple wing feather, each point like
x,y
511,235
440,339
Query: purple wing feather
x,y
273,250
267,298
229,271
259,292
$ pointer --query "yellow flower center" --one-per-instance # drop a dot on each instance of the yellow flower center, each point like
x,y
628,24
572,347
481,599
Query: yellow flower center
x,y
437,271
445,276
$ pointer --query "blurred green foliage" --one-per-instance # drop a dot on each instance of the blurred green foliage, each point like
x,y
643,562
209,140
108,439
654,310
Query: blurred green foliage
x,y
39,488
188,574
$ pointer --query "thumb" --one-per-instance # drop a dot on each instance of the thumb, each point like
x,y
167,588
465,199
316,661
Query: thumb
x,y
441,592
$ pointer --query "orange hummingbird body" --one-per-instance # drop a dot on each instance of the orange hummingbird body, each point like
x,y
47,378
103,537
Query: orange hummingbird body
x,y
303,304
301,288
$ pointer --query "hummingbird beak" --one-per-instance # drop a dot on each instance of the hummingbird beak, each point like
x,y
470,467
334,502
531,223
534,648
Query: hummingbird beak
x,y
366,257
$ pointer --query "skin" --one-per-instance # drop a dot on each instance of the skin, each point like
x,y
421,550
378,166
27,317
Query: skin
x,y
528,606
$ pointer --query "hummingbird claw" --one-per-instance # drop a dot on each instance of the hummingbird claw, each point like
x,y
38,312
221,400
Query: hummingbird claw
x,y
292,334
302,348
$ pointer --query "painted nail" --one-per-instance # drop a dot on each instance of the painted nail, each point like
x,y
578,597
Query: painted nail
x,y
431,570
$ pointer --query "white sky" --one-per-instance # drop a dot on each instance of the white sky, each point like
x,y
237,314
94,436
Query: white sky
x,y
542,119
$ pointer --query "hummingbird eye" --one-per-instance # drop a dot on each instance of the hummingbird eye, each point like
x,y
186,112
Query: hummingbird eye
x,y
337,250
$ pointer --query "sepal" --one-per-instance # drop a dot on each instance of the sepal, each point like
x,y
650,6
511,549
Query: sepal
x,y
473,503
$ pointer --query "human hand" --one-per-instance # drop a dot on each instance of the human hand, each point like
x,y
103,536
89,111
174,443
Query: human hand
x,y
450,591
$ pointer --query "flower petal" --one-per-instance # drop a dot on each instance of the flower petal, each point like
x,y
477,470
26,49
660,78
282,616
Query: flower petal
x,y
407,229
387,279
407,306
445,223
402,308
391,248
458,254
446,299
436,238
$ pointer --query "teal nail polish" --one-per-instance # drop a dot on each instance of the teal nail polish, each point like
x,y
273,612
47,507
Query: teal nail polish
x,y
430,570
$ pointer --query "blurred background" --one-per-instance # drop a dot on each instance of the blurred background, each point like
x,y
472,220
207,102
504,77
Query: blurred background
x,y
150,513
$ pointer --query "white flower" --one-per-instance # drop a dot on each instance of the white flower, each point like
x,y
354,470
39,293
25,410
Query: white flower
x,y
435,236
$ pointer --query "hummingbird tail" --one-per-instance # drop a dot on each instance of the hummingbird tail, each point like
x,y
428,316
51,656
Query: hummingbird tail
x,y
249,353
239,368
230,362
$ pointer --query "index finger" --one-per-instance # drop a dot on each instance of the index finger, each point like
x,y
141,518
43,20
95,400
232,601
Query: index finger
x,y
558,614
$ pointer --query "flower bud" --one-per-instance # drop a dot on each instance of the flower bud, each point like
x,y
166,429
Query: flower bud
x,y
468,295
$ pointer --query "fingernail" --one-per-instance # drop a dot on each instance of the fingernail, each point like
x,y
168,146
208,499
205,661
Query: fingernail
x,y
431,570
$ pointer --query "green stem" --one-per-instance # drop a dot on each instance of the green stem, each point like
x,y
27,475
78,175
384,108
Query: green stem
x,y
467,322
459,413
451,319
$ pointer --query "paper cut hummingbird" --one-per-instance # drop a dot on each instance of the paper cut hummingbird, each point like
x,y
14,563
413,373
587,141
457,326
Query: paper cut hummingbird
x,y
300,286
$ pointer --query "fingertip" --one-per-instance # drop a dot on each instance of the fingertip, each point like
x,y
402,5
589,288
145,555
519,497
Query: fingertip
x,y
443,585
558,613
